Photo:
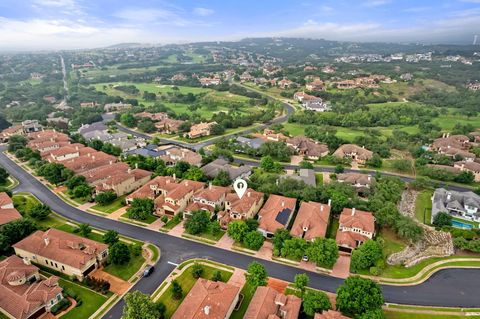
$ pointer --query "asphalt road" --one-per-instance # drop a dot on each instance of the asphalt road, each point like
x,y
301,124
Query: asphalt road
x,y
452,287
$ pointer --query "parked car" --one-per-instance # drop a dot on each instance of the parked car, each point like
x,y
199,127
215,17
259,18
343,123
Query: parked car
x,y
148,271
305,258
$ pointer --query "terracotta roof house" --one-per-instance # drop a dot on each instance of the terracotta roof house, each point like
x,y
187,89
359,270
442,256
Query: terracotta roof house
x,y
160,185
176,154
311,221
267,303
330,314
64,153
126,182
87,162
168,126
237,208
316,85
464,205
208,300
8,215
357,180
472,167
152,116
100,174
308,147
234,172
5,201
47,146
457,152
12,130
200,129
270,135
207,199
47,136
285,83
356,153
61,251
355,227
176,200
451,141
23,294
275,214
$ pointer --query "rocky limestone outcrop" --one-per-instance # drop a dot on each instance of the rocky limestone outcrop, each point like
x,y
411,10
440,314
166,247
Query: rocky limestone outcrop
x,y
433,244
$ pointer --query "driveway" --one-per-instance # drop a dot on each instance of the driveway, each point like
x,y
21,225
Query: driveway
x,y
117,286
341,269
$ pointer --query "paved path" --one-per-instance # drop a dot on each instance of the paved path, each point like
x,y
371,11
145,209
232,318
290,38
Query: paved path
x,y
341,269
117,214
238,278
156,225
117,285
225,242
178,230
265,252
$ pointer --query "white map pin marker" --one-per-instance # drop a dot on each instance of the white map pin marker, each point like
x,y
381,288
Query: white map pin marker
x,y
240,187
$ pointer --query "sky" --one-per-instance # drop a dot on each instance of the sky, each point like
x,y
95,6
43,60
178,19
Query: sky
x,y
77,24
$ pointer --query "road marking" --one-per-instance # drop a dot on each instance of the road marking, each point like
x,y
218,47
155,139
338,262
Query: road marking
x,y
172,263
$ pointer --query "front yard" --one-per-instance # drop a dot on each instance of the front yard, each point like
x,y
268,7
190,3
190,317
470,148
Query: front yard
x,y
90,300
150,219
126,271
112,207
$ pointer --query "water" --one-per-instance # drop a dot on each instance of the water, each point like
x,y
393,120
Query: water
x,y
459,224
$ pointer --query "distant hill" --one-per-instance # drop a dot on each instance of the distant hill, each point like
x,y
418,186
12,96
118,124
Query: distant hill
x,y
128,45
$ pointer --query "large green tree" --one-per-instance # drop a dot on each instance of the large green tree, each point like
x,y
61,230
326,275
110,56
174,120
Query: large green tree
x,y
141,306
256,274
140,208
315,301
237,230
366,255
197,222
323,252
358,295
119,253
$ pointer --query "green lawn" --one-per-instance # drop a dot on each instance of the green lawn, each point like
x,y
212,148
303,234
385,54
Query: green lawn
x,y
423,206
150,219
319,178
126,271
392,243
406,315
113,206
91,301
172,223
187,281
155,252
209,236
332,228
247,294
447,122
23,202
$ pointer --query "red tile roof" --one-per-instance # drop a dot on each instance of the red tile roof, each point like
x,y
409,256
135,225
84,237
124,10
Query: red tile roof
x,y
272,209
22,300
207,300
267,303
9,214
61,246
5,199
311,221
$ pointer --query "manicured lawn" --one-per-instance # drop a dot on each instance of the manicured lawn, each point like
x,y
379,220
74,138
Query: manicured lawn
x,y
172,223
150,219
71,229
209,236
405,315
319,178
447,122
187,281
392,243
126,271
155,252
247,292
113,206
23,202
91,301
423,206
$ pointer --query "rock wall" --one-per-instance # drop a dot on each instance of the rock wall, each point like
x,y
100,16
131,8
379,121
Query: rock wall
x,y
433,244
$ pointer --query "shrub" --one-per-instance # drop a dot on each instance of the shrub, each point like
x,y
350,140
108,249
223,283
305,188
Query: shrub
x,y
60,306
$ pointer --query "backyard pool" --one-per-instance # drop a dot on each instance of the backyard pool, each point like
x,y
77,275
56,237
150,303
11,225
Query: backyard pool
x,y
459,224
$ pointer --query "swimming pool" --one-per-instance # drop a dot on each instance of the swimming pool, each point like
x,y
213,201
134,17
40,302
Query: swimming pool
x,y
459,224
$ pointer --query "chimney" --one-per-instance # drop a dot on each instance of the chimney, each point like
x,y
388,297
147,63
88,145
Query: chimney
x,y
321,208
249,194
76,147
283,203
129,170
136,165
206,310
47,241
110,162
174,176
330,202
449,196
369,178
353,211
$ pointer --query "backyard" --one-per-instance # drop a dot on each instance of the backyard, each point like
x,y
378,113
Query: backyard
x,y
91,300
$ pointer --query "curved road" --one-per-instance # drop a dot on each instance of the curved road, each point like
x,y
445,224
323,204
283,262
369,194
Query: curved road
x,y
453,287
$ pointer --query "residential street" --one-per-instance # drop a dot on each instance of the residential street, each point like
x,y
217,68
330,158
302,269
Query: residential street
x,y
454,287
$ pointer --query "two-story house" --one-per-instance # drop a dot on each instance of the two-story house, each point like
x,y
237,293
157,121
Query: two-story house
x,y
176,200
311,221
208,199
237,208
355,227
61,251
275,214
465,205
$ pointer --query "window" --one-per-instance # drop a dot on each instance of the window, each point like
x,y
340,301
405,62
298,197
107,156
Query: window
x,y
63,267
56,266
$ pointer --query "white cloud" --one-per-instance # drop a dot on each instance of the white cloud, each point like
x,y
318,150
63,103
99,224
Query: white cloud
x,y
376,3
203,12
